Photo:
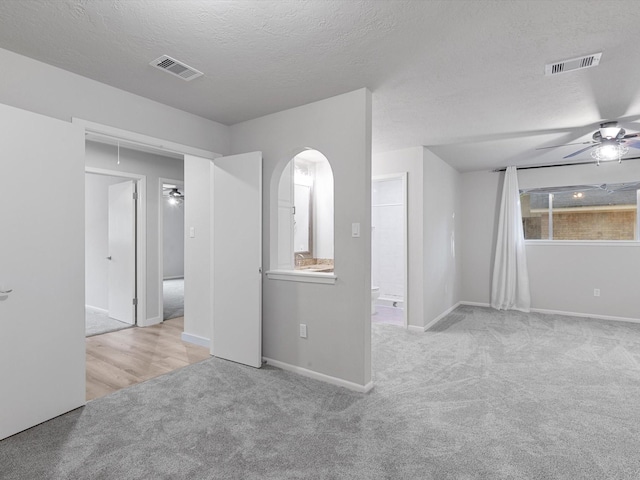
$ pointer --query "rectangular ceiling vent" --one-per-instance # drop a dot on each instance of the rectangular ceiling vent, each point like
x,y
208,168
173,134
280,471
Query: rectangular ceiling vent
x,y
174,67
572,64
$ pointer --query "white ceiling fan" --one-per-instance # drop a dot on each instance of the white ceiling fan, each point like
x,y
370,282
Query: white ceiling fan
x,y
609,142
173,194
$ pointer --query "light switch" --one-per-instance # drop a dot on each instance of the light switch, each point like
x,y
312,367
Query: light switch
x,y
192,232
355,230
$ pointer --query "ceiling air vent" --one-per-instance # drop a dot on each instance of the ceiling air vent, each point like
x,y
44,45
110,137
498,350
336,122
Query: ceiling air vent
x,y
174,67
572,64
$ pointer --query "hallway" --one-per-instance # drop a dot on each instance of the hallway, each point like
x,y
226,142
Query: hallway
x,y
120,359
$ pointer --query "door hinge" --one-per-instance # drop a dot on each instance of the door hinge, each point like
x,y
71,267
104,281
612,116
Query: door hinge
x,y
135,195
135,301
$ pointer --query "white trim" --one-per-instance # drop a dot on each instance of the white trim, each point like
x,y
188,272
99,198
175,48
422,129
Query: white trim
x,y
160,233
586,315
319,376
141,240
97,309
389,302
582,243
415,328
125,136
405,229
302,276
568,314
476,304
196,339
441,316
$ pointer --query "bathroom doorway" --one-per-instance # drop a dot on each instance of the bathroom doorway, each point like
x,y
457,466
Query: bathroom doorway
x,y
389,249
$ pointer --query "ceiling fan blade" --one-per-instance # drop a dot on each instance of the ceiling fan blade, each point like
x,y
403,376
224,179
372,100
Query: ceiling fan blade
x,y
631,135
565,145
581,150
633,143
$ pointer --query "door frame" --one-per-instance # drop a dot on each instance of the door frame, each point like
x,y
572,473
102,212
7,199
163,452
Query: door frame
x,y
140,182
405,233
139,141
161,181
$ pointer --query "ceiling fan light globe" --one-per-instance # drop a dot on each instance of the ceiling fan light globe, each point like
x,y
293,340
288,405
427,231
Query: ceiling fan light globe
x,y
609,151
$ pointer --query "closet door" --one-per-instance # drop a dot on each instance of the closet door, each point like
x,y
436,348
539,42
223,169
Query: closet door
x,y
42,351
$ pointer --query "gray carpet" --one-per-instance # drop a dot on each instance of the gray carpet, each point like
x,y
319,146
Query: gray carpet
x,y
173,298
486,395
97,323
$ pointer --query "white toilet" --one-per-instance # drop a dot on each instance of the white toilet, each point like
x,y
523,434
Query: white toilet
x,y
375,293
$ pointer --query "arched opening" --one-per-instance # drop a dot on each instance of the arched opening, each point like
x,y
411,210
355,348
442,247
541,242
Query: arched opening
x,y
305,214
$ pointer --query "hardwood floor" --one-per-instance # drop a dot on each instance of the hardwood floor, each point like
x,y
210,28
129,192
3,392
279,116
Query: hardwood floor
x,y
120,359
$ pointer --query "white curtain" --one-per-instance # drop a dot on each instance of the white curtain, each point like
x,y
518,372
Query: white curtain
x,y
510,286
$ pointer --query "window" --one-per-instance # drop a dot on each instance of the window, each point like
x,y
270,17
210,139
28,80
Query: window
x,y
583,212
305,219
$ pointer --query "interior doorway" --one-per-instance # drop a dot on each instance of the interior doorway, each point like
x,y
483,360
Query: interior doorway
x,y
389,279
171,241
111,250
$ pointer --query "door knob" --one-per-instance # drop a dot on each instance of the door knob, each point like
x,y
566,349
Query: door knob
x,y
109,257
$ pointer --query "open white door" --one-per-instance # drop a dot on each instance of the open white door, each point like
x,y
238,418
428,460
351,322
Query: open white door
x,y
237,258
42,330
122,252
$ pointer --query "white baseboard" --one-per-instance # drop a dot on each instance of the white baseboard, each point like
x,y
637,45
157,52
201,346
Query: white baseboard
x,y
476,304
415,328
320,376
440,317
389,302
568,314
196,339
586,315
173,278
97,309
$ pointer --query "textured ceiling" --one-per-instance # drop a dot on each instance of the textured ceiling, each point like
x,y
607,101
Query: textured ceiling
x,y
464,78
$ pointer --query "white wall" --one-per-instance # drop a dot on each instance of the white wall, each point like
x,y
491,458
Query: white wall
x,y
35,86
172,239
480,208
96,239
442,228
562,276
337,316
323,211
197,280
153,167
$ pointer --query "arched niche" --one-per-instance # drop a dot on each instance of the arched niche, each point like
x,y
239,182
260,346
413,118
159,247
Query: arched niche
x,y
304,224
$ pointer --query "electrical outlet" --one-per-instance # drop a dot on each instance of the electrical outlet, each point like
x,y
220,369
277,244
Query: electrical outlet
x,y
596,292
303,330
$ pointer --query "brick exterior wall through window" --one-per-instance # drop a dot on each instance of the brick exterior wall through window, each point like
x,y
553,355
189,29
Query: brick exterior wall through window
x,y
586,225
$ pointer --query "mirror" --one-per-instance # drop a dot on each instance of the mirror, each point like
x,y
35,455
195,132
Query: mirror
x,y
302,214
305,213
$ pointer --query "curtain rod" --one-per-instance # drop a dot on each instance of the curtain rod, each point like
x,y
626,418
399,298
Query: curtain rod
x,y
529,167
